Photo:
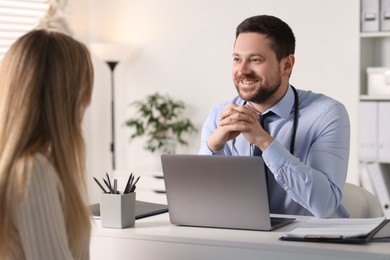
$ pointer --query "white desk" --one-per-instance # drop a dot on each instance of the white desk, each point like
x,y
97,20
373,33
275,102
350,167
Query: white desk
x,y
156,238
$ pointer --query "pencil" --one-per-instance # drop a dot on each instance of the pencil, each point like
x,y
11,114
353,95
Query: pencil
x,y
101,187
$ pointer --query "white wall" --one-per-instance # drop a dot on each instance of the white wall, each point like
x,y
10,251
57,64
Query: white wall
x,y
184,48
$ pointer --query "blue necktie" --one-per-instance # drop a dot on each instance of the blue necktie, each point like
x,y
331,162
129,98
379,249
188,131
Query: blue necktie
x,y
258,152
262,118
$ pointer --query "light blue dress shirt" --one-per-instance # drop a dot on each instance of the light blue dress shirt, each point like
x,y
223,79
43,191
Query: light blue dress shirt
x,y
311,181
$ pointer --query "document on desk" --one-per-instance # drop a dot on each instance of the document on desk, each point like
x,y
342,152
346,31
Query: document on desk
x,y
342,230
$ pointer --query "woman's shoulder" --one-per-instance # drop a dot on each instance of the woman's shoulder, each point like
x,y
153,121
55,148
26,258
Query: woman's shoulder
x,y
42,166
44,174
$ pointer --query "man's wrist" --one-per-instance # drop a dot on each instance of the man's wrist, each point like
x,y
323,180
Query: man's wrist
x,y
213,148
264,142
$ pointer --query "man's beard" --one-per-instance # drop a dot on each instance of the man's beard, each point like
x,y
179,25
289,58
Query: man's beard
x,y
263,93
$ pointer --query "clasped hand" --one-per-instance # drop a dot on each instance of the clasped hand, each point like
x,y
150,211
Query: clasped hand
x,y
235,120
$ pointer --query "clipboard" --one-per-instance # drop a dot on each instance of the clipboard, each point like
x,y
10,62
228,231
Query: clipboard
x,y
353,231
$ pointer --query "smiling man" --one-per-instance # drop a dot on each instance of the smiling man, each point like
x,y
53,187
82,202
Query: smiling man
x,y
303,137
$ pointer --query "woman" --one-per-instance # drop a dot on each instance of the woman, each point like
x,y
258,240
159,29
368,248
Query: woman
x,y
46,82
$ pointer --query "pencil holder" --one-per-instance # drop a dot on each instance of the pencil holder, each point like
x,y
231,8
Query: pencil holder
x,y
117,210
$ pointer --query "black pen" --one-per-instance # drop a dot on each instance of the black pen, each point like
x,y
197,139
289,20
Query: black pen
x,y
127,188
101,187
131,182
108,179
133,186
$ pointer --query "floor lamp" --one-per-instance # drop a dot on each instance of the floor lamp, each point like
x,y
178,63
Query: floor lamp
x,y
111,54
112,65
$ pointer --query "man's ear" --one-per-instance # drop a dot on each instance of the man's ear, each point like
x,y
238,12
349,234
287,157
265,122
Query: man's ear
x,y
288,64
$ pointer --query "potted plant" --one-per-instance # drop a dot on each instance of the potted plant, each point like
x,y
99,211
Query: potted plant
x,y
159,118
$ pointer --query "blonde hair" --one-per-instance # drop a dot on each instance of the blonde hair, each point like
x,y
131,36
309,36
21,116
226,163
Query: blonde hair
x,y
46,83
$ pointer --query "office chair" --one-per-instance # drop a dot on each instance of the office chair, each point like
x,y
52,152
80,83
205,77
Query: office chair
x,y
361,203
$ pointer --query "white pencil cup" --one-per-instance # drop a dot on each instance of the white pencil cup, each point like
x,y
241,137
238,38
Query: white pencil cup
x,y
117,210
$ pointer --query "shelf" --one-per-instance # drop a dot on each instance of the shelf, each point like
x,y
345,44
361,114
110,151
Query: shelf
x,y
375,161
374,98
374,34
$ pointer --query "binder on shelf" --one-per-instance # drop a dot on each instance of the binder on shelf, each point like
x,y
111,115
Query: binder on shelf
x,y
380,179
370,16
383,131
385,15
364,178
368,130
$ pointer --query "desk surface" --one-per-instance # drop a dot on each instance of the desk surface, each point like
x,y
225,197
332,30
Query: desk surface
x,y
155,237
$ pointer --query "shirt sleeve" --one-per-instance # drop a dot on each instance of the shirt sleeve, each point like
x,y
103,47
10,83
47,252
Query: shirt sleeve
x,y
41,220
317,183
209,126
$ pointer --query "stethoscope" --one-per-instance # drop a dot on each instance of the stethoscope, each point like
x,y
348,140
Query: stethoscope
x,y
295,123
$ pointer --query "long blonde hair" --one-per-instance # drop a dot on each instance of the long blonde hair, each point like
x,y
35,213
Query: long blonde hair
x,y
46,83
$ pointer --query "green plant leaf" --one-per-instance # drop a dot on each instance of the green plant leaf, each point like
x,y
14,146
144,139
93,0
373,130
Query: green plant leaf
x,y
158,118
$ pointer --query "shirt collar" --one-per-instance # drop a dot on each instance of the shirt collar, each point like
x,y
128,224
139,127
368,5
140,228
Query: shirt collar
x,y
284,107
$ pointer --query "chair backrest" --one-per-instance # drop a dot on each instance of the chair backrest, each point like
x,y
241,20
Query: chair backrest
x,y
361,203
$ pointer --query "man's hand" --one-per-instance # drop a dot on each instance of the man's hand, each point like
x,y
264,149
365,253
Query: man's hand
x,y
235,120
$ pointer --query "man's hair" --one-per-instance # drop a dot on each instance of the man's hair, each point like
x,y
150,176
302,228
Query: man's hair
x,y
281,36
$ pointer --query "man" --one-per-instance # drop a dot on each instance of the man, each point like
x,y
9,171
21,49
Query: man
x,y
305,139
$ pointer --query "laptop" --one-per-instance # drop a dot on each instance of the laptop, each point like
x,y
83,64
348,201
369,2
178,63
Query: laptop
x,y
218,191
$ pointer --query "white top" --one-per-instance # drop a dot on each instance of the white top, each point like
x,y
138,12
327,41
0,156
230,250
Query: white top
x,y
41,220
